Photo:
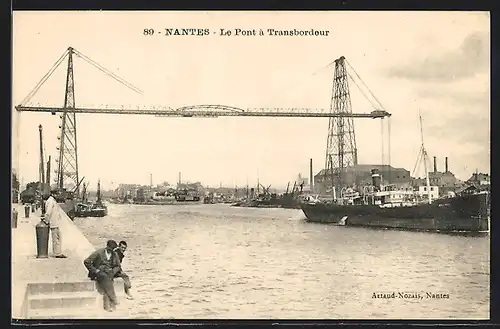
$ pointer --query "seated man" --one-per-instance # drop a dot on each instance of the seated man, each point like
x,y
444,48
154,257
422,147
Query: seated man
x,y
103,264
120,251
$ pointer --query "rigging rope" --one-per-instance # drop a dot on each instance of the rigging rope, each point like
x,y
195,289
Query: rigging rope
x,y
377,105
107,72
375,98
361,90
417,163
45,77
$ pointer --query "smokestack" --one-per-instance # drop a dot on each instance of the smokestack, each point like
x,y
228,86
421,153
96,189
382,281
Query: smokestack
x,y
180,181
446,164
435,165
376,179
311,177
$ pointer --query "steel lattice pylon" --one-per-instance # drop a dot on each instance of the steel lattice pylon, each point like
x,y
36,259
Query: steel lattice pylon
x,y
67,172
341,149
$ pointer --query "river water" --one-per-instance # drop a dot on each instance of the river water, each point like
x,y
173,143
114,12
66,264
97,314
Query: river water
x,y
220,262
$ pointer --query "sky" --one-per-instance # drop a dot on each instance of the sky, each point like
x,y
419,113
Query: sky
x,y
433,63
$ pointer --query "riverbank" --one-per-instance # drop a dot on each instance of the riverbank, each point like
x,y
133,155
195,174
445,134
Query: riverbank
x,y
53,287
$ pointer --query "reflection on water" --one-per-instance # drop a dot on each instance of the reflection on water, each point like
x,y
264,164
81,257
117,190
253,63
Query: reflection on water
x,y
216,261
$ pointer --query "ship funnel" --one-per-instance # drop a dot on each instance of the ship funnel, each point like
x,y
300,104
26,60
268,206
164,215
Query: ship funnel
x,y
376,179
446,164
435,165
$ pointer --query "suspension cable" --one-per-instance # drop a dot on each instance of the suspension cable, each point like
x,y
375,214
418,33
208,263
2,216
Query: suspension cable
x,y
374,97
361,90
107,72
382,135
45,77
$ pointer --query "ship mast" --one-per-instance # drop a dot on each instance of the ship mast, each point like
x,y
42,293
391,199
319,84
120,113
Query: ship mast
x,y
424,153
84,193
99,192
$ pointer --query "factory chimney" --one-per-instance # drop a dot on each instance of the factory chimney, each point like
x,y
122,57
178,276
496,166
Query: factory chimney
x,y
435,165
311,177
180,181
446,164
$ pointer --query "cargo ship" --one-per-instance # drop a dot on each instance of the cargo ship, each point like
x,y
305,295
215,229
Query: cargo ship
x,y
181,196
283,201
288,200
387,206
467,211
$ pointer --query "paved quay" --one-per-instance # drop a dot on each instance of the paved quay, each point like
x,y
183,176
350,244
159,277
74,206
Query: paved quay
x,y
55,287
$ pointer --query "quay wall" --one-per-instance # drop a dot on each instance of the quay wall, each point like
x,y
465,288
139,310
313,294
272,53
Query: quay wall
x,y
35,279
72,238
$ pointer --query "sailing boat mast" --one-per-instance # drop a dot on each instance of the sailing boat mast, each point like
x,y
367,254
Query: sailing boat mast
x,y
258,183
424,153
84,192
99,191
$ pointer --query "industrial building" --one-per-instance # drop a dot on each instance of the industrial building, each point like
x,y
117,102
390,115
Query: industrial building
x,y
445,180
479,179
360,175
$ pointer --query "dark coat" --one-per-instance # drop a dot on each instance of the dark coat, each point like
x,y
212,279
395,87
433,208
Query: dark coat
x,y
120,254
97,261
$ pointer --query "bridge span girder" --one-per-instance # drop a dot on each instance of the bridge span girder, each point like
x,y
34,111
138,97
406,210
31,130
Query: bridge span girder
x,y
212,111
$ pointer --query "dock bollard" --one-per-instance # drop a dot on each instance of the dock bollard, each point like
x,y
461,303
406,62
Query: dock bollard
x,y
42,239
14,218
27,211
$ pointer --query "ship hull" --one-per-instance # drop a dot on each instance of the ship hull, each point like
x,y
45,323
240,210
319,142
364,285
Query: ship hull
x,y
168,203
272,203
92,213
68,207
461,213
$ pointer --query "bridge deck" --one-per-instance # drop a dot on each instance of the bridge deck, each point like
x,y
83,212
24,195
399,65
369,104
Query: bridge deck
x,y
210,111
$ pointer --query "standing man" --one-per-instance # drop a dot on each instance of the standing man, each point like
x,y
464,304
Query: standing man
x,y
120,252
103,264
52,217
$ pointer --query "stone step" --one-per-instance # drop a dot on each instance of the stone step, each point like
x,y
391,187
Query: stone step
x,y
82,313
62,300
44,288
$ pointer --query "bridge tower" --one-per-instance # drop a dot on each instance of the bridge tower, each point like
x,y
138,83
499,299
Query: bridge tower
x,y
341,149
67,163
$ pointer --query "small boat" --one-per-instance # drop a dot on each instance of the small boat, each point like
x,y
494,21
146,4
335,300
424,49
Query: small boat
x,y
86,208
90,210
